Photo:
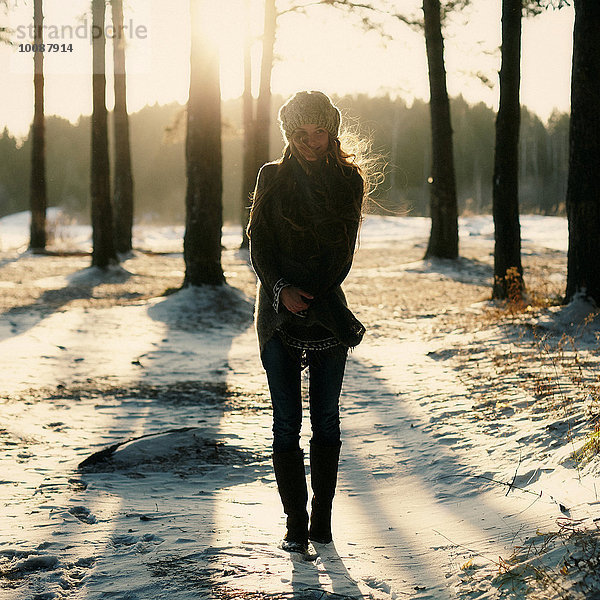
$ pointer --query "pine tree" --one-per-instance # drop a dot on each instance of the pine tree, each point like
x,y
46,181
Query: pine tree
x,y
443,240
204,210
103,248
249,172
508,271
583,188
123,179
38,191
257,126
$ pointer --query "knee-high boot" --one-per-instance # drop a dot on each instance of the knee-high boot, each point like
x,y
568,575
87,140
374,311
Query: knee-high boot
x,y
323,475
291,483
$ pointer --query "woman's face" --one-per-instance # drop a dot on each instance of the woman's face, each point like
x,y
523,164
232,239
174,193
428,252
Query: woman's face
x,y
311,141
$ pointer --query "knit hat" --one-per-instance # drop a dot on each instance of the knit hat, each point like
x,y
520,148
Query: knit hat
x,y
309,107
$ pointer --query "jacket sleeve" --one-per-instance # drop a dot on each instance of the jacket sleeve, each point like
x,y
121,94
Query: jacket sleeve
x,y
263,249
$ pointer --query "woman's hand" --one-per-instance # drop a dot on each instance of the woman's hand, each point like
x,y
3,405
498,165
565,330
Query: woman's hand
x,y
294,299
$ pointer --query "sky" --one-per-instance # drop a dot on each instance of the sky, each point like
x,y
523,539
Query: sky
x,y
324,48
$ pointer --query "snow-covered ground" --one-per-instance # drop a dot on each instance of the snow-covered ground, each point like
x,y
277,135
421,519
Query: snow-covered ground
x,y
545,232
460,420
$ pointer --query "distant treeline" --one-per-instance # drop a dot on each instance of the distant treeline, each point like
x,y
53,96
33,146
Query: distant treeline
x,y
400,134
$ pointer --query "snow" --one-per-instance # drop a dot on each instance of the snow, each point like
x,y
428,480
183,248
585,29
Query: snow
x,y
459,425
546,232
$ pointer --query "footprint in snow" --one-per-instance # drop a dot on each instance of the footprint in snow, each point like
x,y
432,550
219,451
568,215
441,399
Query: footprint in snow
x,y
378,584
30,563
140,544
83,514
127,539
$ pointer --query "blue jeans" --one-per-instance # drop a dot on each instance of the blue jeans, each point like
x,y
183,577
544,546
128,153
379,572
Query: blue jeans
x,y
326,372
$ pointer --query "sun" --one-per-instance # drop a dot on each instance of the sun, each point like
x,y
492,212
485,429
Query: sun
x,y
226,25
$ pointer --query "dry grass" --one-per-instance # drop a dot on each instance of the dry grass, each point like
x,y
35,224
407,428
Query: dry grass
x,y
562,564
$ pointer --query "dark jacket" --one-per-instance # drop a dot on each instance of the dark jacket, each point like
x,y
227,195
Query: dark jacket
x,y
284,254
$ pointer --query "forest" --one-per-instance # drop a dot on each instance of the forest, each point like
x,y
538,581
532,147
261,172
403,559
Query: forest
x,y
399,133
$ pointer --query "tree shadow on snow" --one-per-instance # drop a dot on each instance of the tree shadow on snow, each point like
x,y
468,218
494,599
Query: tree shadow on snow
x,y
462,270
185,458
160,457
419,464
80,286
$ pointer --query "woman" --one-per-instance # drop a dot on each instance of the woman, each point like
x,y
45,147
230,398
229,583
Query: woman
x,y
303,227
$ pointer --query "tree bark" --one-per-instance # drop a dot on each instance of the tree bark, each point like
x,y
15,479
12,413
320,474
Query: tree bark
x,y
508,271
249,163
123,179
204,210
263,107
583,189
38,192
103,251
443,240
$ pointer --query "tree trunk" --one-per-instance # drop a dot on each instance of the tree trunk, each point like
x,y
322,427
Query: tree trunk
x,y
508,271
38,193
263,108
249,163
204,210
583,189
123,179
103,252
443,240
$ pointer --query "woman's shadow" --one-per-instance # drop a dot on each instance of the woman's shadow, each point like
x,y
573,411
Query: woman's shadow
x,y
306,577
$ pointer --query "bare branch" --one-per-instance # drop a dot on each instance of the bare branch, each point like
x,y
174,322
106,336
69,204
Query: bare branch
x,y
369,24
5,35
300,7
485,80
6,32
350,4
536,7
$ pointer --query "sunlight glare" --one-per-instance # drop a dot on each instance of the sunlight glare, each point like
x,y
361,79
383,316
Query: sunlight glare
x,y
223,24
324,48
